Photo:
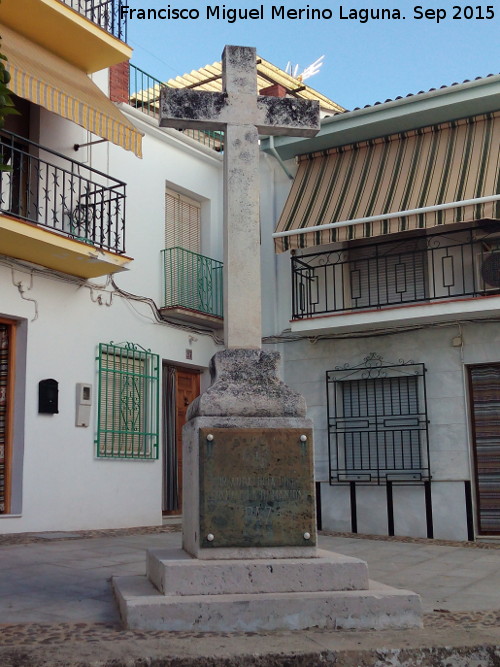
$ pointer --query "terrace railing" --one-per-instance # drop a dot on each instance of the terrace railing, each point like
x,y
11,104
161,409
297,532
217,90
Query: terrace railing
x,y
144,94
449,265
104,13
51,190
192,281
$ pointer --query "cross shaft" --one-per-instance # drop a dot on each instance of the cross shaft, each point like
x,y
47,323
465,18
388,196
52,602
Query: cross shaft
x,y
242,115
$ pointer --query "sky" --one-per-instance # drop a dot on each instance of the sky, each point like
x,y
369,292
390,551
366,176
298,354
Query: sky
x,y
364,62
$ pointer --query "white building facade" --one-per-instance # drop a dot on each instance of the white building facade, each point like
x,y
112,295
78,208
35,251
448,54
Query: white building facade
x,y
90,352
388,324
383,298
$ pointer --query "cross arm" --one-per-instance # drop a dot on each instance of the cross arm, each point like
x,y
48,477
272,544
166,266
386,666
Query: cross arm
x,y
198,109
287,116
183,107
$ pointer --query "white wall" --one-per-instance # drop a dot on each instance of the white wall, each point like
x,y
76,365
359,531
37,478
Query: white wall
x,y
305,365
276,285
64,486
168,158
306,359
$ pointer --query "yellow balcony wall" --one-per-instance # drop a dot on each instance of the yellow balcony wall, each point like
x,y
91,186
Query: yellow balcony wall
x,y
31,243
65,32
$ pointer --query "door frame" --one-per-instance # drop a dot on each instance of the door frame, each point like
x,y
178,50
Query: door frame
x,y
192,370
474,471
9,417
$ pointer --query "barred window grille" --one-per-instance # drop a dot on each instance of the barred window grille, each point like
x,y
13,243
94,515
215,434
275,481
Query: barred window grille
x,y
128,400
377,423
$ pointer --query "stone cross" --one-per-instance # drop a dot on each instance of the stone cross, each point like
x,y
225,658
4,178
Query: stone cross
x,y
242,115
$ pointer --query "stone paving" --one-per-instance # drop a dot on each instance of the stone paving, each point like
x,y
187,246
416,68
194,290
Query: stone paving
x,y
56,606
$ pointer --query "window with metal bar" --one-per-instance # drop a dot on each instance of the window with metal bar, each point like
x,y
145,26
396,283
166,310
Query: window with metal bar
x,y
128,400
377,423
191,280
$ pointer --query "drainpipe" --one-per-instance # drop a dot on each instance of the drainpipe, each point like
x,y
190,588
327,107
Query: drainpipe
x,y
273,150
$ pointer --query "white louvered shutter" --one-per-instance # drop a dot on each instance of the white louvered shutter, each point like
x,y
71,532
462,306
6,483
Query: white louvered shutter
x,y
182,222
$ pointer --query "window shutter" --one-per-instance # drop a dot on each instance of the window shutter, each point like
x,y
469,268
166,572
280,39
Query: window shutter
x,y
182,222
395,274
386,442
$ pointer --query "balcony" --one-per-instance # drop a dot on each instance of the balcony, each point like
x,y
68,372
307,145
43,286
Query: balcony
x,y
59,213
144,94
439,268
90,33
192,288
104,13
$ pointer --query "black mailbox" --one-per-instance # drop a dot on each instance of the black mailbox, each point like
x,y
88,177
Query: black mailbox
x,y
48,397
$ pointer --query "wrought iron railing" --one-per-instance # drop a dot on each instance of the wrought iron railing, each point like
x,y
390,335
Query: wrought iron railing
x,y
449,265
65,196
192,281
106,14
144,94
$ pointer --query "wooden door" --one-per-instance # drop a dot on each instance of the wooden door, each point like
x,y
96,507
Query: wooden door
x,y
188,388
180,387
485,410
7,332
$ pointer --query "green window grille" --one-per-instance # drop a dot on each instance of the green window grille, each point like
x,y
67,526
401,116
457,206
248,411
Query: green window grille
x,y
127,404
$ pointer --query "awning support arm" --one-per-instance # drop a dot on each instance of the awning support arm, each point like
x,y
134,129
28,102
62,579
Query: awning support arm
x,y
387,216
89,143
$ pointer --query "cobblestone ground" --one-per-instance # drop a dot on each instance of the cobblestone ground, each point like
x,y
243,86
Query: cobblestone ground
x,y
32,538
29,634
38,633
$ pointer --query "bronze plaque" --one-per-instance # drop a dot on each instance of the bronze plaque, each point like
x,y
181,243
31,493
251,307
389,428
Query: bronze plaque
x,y
256,488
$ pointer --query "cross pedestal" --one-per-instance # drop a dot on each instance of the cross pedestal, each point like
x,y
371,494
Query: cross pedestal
x,y
250,560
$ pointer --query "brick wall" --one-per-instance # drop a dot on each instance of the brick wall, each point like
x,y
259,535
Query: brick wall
x,y
118,82
276,90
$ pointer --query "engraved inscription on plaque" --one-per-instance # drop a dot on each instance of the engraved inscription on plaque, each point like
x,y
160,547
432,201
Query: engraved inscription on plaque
x,y
256,488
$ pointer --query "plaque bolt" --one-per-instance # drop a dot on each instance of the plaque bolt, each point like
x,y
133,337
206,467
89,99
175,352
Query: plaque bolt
x,y
210,437
307,536
210,537
303,438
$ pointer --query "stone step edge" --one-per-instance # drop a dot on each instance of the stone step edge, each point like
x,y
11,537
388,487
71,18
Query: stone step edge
x,y
173,572
142,607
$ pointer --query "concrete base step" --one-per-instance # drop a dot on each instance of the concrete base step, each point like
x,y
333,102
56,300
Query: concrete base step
x,y
143,607
174,572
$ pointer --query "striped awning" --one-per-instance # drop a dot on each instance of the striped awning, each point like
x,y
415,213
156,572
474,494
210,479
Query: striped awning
x,y
394,175
45,79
